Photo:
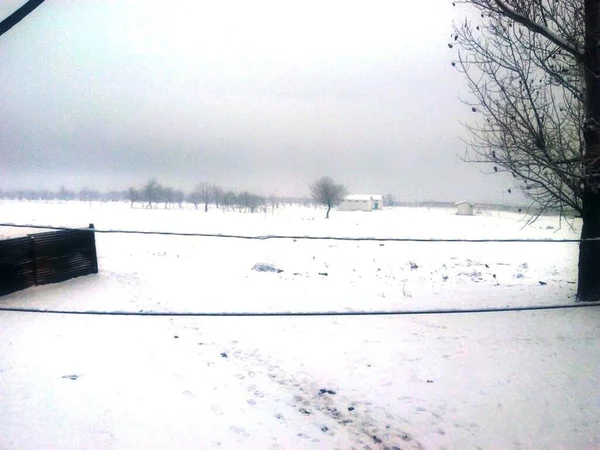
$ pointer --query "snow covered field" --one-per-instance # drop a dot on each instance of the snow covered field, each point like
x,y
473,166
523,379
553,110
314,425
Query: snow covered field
x,y
171,273
495,380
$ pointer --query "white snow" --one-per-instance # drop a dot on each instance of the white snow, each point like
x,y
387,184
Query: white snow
x,y
495,380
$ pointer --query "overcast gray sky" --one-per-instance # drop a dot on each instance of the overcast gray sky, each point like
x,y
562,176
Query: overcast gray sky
x,y
259,95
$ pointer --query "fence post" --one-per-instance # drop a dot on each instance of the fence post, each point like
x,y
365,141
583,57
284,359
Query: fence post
x,y
95,254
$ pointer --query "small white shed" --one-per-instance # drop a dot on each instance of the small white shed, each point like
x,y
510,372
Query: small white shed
x,y
464,208
360,202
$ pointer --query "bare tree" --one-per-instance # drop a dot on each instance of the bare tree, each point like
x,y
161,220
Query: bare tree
x,y
244,201
179,197
151,192
389,200
326,192
194,198
217,195
228,200
133,195
256,202
534,70
203,194
167,195
247,201
88,195
65,194
273,203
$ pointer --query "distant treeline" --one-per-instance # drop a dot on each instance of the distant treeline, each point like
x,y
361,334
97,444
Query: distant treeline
x,y
205,194
63,194
153,194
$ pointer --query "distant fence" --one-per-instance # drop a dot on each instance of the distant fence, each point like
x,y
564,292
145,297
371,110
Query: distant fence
x,y
44,258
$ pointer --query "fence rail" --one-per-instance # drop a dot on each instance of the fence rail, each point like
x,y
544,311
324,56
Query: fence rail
x,y
45,258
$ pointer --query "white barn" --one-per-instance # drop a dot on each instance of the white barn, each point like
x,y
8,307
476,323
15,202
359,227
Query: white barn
x,y
464,208
359,202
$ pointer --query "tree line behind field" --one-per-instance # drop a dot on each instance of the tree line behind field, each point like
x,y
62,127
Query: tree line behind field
x,y
153,194
203,196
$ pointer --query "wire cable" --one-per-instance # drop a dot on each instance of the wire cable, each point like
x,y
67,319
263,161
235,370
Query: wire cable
x,y
274,236
301,313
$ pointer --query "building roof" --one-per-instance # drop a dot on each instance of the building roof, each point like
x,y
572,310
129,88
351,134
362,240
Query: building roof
x,y
363,197
462,203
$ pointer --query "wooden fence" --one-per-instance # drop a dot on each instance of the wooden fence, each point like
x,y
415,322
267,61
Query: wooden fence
x,y
44,258
16,265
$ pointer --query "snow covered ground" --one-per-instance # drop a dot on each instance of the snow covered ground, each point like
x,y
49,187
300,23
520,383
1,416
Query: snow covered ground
x,y
171,273
494,380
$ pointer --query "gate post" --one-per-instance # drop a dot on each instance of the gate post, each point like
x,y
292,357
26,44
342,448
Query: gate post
x,y
94,253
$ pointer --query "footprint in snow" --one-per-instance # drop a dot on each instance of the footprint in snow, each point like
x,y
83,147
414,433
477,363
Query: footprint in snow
x,y
71,377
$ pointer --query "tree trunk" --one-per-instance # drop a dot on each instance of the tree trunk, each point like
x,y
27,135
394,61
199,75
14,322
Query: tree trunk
x,y
588,287
206,207
328,209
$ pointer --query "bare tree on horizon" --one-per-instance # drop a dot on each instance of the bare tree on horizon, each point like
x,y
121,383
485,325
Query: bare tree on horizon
x,y
133,195
179,197
151,192
217,195
326,192
203,194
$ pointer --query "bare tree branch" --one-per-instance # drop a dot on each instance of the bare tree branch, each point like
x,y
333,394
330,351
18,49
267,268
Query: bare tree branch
x,y
19,15
539,28
527,103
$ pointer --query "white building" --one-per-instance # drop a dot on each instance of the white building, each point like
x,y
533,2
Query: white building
x,y
464,208
358,202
